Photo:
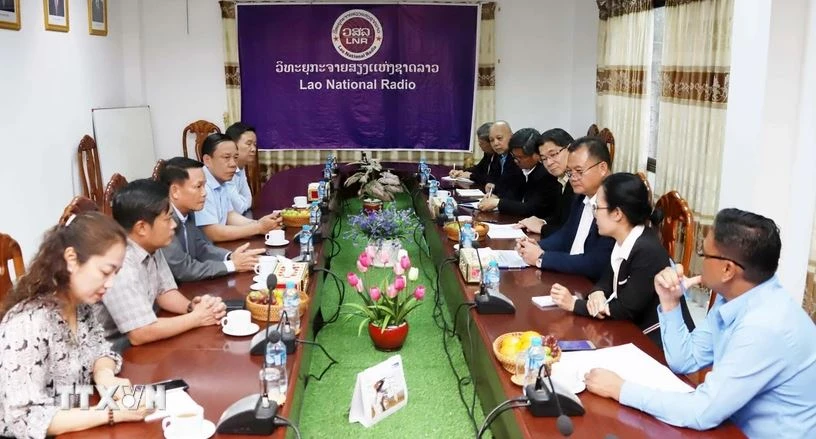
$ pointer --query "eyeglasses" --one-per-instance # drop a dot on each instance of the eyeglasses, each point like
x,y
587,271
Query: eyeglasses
x,y
580,174
551,157
702,254
596,208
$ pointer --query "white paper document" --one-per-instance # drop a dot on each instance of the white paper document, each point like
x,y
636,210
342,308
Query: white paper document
x,y
475,205
379,391
547,301
177,399
458,180
631,363
504,231
470,193
509,259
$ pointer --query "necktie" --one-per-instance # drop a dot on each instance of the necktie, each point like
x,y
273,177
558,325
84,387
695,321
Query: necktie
x,y
501,163
186,244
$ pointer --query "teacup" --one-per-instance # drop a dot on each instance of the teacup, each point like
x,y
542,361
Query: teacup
x,y
275,237
237,319
186,422
443,194
265,265
300,201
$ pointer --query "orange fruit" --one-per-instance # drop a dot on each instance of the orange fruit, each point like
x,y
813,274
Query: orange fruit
x,y
510,346
526,339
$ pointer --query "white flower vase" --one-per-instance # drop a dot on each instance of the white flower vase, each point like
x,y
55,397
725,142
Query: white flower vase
x,y
388,252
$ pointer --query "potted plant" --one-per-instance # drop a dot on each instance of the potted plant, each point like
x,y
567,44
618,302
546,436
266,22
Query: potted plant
x,y
385,304
384,229
376,185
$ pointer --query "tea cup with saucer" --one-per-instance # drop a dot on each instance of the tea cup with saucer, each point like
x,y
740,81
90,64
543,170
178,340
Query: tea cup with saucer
x,y
239,323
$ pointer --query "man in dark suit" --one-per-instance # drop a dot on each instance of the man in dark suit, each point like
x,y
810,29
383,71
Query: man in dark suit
x,y
478,173
577,247
552,148
506,179
539,192
191,256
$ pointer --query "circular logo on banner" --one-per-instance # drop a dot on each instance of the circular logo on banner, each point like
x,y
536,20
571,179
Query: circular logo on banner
x,y
357,35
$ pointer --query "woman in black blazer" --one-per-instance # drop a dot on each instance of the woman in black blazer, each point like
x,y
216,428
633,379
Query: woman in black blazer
x,y
623,212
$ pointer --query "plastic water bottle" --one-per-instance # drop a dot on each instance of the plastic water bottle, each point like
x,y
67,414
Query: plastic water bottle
x,y
321,190
422,165
449,208
466,236
306,242
273,375
291,304
427,172
433,189
327,173
492,276
314,214
535,358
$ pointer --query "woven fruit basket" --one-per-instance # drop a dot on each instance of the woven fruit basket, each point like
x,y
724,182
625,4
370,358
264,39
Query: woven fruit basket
x,y
513,365
295,217
258,310
452,230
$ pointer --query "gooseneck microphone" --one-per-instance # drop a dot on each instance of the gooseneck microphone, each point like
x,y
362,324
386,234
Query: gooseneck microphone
x,y
563,423
287,334
553,402
258,343
487,303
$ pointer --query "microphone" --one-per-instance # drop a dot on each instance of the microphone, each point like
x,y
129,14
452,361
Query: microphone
x,y
563,423
486,303
258,343
287,334
541,403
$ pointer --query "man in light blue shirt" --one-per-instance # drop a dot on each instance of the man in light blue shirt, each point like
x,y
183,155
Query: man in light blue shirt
x,y
247,142
219,220
762,344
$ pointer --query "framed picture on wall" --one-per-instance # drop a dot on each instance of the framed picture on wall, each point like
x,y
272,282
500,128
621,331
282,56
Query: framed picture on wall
x,y
98,17
55,13
10,14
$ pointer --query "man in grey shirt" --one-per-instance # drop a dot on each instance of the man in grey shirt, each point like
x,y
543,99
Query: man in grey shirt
x,y
143,209
191,255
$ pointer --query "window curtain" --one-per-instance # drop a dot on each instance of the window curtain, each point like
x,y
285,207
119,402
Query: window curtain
x,y
272,161
625,40
694,95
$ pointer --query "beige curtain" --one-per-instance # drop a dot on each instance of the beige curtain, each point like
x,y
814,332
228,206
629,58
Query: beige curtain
x,y
232,74
810,283
272,161
625,39
694,96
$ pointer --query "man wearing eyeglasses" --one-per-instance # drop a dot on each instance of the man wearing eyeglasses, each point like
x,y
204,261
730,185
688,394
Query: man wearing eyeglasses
x,y
552,148
760,342
577,247
481,170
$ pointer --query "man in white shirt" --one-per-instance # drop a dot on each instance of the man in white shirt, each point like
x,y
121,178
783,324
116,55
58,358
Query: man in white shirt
x,y
577,247
247,141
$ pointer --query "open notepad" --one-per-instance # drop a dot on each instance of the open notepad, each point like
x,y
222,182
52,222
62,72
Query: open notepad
x,y
628,361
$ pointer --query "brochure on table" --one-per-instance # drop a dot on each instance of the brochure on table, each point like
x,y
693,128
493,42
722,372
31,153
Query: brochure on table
x,y
379,391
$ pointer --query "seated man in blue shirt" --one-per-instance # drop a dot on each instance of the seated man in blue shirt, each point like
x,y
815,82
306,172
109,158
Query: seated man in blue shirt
x,y
760,342
577,247
247,141
219,220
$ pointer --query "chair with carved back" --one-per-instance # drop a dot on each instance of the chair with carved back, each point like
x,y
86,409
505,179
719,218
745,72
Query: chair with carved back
x,y
607,136
90,174
157,169
253,173
116,183
201,129
78,204
9,252
593,130
645,179
677,226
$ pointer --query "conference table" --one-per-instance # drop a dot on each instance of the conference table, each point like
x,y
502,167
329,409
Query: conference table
x,y
220,370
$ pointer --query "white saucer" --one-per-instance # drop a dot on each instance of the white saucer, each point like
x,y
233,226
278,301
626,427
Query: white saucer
x,y
207,430
277,244
243,332
305,206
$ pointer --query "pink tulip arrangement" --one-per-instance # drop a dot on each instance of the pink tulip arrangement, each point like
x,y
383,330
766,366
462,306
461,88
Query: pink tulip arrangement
x,y
389,303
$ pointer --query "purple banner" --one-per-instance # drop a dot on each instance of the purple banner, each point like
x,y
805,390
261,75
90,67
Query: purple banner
x,y
358,76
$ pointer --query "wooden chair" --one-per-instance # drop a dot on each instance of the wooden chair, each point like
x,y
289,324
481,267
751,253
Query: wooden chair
x,y
116,183
90,174
9,252
253,173
677,226
201,129
593,130
157,169
77,205
607,136
645,179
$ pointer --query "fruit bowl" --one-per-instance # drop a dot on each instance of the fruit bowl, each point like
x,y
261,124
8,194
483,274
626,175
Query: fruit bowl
x,y
512,363
256,304
452,230
295,217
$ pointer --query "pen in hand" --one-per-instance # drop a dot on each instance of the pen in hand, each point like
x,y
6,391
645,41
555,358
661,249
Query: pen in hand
x,y
609,299
682,282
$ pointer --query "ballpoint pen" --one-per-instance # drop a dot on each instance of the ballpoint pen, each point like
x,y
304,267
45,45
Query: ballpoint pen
x,y
682,282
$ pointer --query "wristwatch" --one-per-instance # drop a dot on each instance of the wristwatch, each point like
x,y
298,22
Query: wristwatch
x,y
540,260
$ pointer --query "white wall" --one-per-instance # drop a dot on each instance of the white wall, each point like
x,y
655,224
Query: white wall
x,y
183,74
545,72
51,80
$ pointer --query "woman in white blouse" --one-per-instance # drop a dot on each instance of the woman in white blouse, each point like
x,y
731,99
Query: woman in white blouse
x,y
49,337
626,290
